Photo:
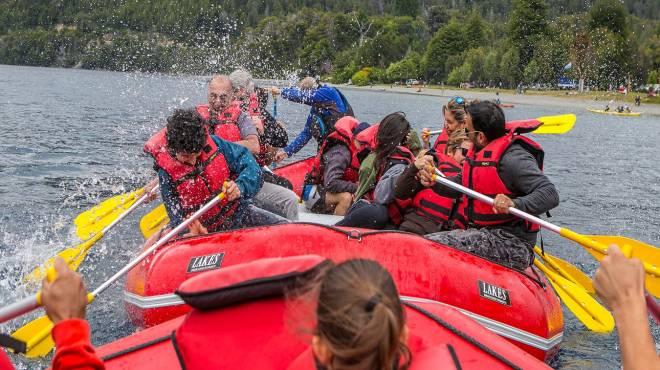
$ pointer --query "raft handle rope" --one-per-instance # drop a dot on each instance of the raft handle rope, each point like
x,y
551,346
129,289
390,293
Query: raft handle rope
x,y
463,335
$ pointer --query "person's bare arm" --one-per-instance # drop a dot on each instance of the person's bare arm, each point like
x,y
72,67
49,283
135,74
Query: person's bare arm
x,y
619,282
251,142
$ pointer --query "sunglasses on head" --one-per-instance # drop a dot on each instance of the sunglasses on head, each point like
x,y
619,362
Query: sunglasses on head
x,y
458,100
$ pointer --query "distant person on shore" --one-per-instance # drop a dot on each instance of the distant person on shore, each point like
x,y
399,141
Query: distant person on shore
x,y
619,282
638,100
328,105
194,166
509,165
497,98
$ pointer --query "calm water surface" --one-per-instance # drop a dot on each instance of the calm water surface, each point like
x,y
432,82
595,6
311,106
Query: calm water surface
x,y
71,138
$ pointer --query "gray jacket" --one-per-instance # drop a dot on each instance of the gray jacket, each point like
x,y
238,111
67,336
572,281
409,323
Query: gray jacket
x,y
534,193
336,160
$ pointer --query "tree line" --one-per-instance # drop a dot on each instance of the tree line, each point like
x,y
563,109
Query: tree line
x,y
489,42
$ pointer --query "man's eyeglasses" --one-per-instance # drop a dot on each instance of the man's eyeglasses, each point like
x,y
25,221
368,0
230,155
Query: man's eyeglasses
x,y
468,133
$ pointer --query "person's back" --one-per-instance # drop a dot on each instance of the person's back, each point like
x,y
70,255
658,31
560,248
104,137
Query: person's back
x,y
360,322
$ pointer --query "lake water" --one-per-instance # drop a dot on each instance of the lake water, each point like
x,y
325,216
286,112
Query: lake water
x,y
71,138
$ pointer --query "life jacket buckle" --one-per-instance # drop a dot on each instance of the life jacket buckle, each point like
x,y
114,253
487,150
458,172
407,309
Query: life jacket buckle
x,y
354,235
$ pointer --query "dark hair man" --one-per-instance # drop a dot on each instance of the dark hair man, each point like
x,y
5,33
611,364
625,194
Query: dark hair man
x,y
194,166
505,163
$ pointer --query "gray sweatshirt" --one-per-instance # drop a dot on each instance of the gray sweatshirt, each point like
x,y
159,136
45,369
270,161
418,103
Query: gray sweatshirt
x,y
336,160
534,193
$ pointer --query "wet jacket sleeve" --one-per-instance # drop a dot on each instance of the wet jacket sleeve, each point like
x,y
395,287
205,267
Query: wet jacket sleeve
x,y
74,348
309,97
384,192
323,94
170,199
407,185
336,160
274,134
301,140
522,175
246,126
241,163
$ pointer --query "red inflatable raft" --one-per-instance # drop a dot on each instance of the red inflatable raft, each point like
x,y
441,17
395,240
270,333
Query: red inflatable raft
x,y
519,306
240,318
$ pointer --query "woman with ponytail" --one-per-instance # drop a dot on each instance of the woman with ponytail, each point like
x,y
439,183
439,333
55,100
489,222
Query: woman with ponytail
x,y
360,322
379,207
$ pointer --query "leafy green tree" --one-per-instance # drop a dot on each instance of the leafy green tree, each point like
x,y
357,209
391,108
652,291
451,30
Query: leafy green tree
x,y
360,78
406,7
475,32
608,14
509,72
405,68
532,72
448,41
437,17
460,74
653,77
527,26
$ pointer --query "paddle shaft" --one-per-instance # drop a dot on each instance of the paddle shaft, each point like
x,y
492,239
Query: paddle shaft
x,y
130,209
651,303
158,244
30,303
19,308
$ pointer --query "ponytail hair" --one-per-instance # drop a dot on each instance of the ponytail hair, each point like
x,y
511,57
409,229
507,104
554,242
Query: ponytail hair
x,y
360,317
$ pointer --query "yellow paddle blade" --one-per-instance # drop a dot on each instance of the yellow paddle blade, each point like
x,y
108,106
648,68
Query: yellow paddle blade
x,y
36,334
648,254
559,124
98,217
154,221
72,256
585,308
566,270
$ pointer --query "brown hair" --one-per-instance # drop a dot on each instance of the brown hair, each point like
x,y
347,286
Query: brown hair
x,y
458,110
360,317
455,140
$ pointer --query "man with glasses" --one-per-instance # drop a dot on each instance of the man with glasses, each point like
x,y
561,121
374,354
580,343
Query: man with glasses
x,y
225,119
505,163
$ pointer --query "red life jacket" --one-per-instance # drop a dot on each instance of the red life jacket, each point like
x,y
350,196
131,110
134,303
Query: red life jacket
x,y
342,135
195,186
441,142
442,210
224,125
254,112
480,173
395,208
368,136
